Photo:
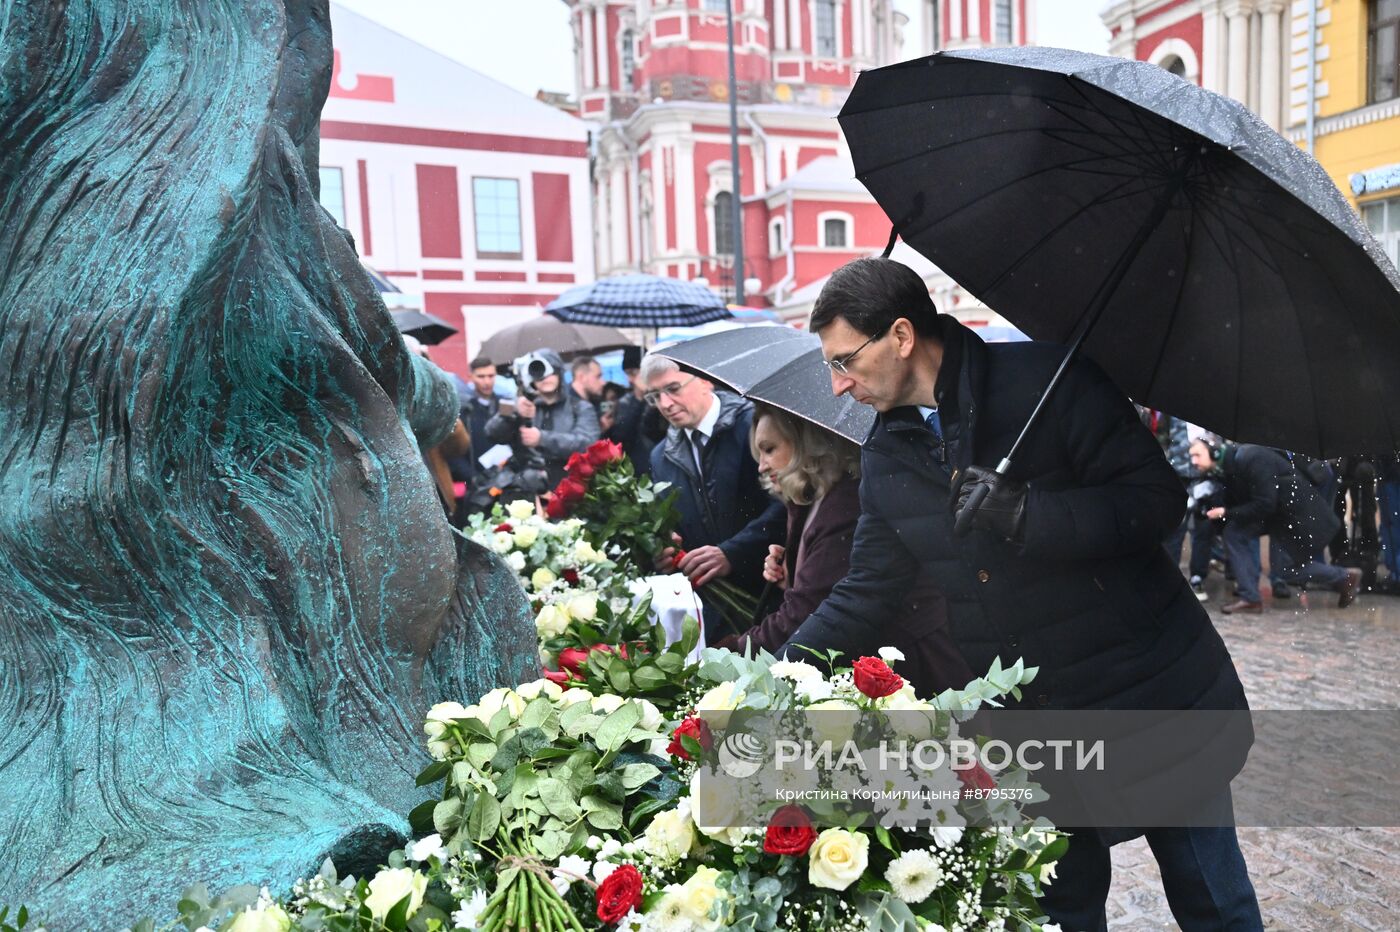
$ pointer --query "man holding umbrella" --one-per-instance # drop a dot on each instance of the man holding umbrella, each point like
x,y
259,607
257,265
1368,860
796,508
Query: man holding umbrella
x,y
1064,565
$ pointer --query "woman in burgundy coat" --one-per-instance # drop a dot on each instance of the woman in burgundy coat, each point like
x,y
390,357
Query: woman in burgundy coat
x,y
816,473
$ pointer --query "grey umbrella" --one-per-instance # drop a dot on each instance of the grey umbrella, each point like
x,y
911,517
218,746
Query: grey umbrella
x,y
549,332
778,366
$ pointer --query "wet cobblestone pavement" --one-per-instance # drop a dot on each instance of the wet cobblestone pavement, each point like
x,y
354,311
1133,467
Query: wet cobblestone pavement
x,y
1310,878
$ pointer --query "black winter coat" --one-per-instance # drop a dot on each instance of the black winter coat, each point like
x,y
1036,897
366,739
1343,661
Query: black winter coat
x,y
1090,596
732,511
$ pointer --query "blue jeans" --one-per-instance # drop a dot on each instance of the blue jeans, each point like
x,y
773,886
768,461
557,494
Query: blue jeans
x,y
1203,876
1242,550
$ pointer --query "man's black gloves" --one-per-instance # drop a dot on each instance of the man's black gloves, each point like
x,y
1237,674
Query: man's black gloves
x,y
1002,512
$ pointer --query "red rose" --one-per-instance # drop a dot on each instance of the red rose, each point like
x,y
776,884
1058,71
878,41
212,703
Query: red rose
x,y
556,509
572,659
504,526
561,677
579,467
975,778
692,727
570,576
789,832
604,452
875,678
676,558
571,490
619,894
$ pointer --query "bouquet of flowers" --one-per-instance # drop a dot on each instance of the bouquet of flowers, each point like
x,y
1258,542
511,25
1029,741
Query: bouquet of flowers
x,y
900,864
531,776
625,513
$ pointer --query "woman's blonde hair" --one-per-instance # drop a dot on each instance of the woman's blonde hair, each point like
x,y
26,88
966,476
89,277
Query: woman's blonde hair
x,y
820,458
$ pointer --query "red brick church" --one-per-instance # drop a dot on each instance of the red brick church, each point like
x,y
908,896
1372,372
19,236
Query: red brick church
x,y
652,76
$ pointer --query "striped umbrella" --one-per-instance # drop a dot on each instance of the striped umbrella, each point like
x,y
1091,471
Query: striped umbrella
x,y
639,301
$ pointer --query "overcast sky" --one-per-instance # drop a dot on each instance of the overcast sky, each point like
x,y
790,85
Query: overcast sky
x,y
527,44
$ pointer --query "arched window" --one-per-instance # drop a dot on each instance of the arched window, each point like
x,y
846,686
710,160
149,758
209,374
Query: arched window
x,y
824,29
724,224
1175,65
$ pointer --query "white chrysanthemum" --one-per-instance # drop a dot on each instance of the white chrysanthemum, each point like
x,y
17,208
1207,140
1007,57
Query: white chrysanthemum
x,y
914,875
516,561
602,870
947,836
890,654
571,867
817,690
469,914
795,670
502,542
632,922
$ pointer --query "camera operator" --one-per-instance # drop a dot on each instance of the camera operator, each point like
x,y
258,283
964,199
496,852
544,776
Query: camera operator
x,y
546,424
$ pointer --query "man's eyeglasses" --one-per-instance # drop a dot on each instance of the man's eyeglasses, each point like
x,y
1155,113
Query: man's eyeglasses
x,y
840,363
653,397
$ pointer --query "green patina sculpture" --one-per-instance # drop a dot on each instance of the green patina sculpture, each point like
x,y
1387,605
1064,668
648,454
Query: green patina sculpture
x,y
227,591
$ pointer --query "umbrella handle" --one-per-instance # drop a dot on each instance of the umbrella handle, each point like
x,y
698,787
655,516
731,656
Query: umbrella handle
x,y
963,523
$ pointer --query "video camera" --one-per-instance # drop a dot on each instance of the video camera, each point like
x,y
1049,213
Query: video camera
x,y
529,369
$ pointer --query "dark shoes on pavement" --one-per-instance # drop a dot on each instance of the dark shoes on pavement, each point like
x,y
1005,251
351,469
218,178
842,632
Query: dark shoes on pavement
x,y
1349,588
1281,590
1241,607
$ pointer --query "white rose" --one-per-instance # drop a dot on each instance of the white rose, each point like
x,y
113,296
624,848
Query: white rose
x,y
502,542
542,577
520,510
698,896
652,719
516,561
266,917
585,552
525,536
606,704
430,846
670,835
890,654
583,607
575,694
552,621
835,721
715,810
837,858
391,885
536,688
440,715
720,698
500,698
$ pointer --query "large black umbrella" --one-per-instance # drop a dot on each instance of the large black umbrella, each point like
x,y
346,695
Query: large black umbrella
x,y
639,301
423,327
1209,265
547,332
778,366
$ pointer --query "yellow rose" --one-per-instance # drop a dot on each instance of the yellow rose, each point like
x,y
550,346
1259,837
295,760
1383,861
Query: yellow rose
x,y
520,510
542,577
670,835
583,607
391,885
585,552
837,859
698,895
720,699
265,918
525,536
551,621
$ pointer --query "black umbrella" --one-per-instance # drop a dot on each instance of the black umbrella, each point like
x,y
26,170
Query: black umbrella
x,y
423,327
778,366
1208,264
548,332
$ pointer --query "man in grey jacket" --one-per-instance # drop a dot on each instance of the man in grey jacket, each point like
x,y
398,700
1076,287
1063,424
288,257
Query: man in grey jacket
x,y
546,420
